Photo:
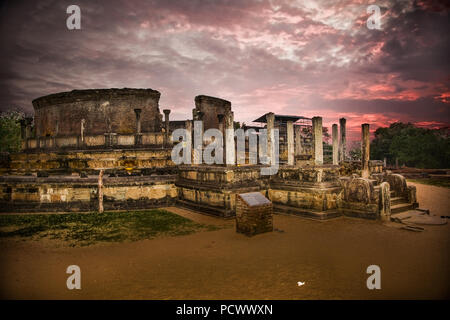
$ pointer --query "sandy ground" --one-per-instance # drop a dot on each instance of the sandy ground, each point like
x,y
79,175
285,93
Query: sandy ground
x,y
331,257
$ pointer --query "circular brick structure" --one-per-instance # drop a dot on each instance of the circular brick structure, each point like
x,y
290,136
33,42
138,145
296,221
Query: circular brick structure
x,y
101,111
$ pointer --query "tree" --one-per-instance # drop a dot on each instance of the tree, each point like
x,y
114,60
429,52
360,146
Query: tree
x,y
412,146
10,131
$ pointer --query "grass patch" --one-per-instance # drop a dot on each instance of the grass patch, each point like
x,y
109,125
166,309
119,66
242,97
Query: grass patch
x,y
81,229
433,182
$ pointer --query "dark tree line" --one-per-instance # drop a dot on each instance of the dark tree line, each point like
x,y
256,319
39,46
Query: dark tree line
x,y
412,146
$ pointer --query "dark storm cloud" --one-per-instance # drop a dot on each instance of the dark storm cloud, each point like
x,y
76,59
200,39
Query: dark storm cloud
x,y
310,57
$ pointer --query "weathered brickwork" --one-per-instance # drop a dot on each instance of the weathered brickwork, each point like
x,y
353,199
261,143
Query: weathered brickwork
x,y
71,193
254,216
104,110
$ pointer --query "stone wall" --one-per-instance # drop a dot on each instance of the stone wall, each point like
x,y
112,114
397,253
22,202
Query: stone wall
x,y
311,191
101,141
71,193
89,161
104,110
350,167
361,198
213,189
208,109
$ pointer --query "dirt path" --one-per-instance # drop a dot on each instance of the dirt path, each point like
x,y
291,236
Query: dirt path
x,y
436,199
330,256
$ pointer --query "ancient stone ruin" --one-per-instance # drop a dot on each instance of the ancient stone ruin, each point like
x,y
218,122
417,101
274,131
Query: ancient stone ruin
x,y
74,135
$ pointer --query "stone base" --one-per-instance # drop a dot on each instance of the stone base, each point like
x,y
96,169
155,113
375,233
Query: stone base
x,y
212,189
316,215
206,209
69,193
75,161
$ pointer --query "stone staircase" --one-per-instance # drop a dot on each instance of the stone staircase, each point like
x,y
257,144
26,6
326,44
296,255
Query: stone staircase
x,y
399,204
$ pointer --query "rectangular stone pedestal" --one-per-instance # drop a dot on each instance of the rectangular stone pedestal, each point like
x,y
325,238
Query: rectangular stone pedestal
x,y
253,214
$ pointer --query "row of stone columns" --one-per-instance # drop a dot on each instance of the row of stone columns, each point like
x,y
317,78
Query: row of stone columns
x,y
226,126
138,140
339,147
293,140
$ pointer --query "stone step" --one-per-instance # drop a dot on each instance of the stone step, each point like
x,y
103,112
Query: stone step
x,y
398,200
401,207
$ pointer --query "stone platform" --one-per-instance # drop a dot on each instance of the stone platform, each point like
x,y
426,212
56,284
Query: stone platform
x,y
213,189
72,193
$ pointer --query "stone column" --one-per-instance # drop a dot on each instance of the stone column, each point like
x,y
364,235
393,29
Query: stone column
x,y
343,141
270,118
188,126
138,120
230,151
167,126
80,138
298,140
138,134
100,191
385,201
318,140
82,128
290,142
365,150
335,144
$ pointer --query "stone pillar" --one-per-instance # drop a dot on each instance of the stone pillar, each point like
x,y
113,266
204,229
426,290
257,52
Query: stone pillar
x,y
100,191
167,126
82,128
298,140
198,142
138,120
365,150
318,140
290,142
270,118
385,201
138,134
230,151
343,141
335,144
188,126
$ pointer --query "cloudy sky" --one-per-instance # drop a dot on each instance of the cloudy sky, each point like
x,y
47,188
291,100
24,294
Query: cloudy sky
x,y
290,57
